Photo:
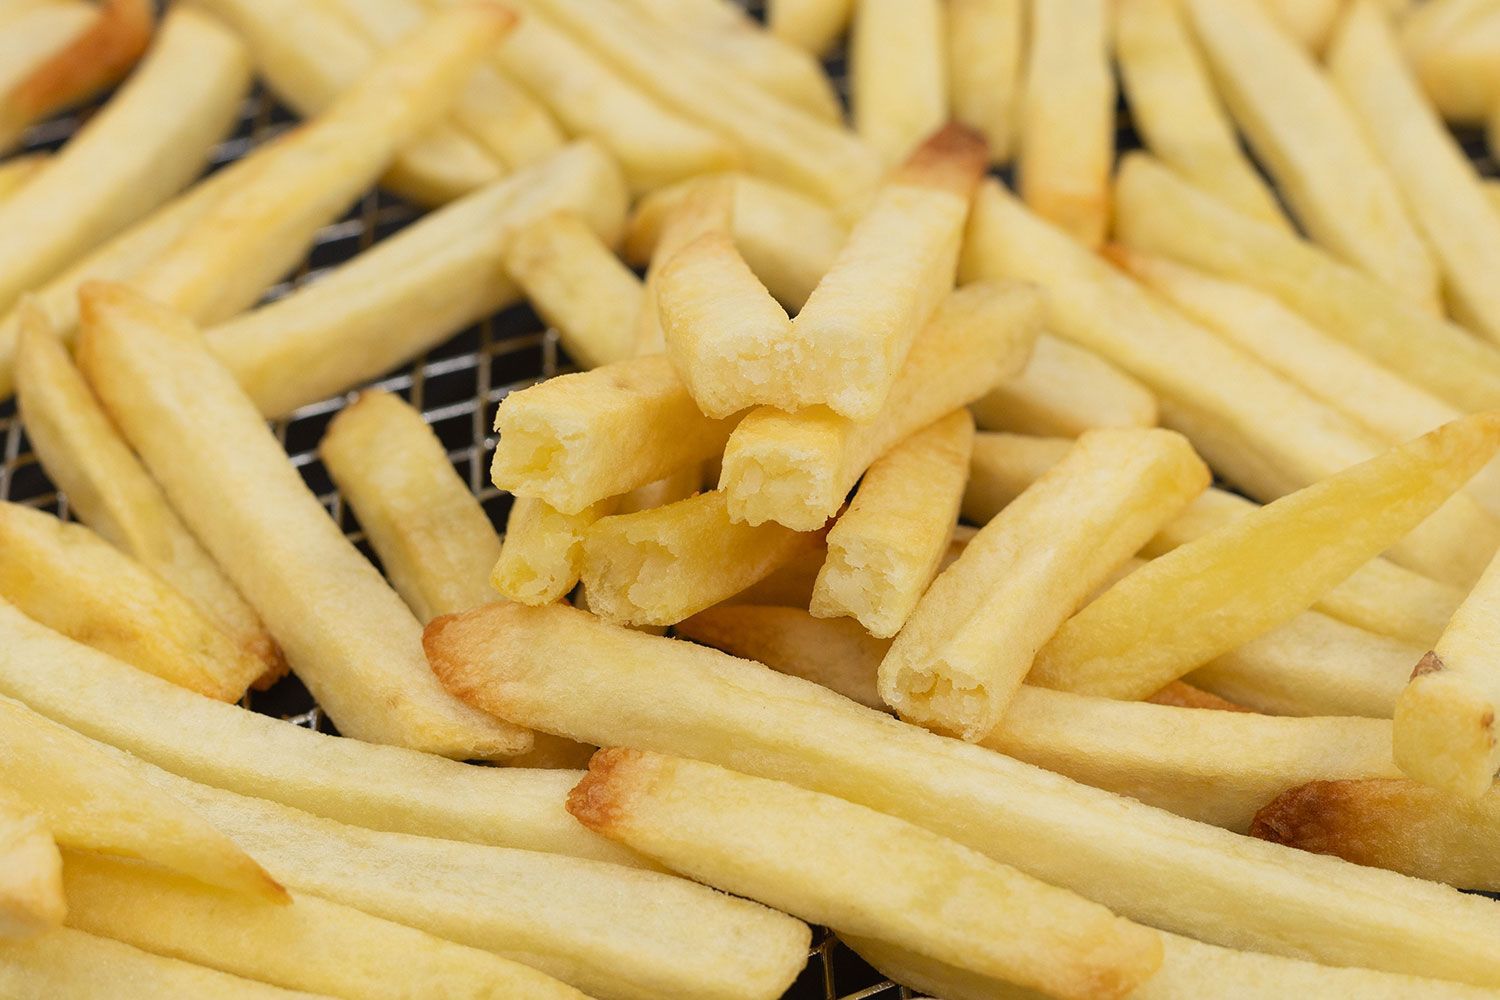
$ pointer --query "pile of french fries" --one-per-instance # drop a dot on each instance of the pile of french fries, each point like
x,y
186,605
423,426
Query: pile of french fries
x,y
1082,587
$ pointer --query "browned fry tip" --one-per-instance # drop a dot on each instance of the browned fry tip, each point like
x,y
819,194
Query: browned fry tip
x,y
1303,817
953,158
598,800
1430,663
95,59
1183,695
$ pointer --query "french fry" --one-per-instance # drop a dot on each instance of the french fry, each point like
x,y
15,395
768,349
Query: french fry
x,y
791,586
1439,184
31,889
707,207
669,489
1310,22
258,231
1063,391
657,567
1173,103
411,291
1180,695
379,787
1255,428
813,25
109,490
958,662
74,582
985,48
898,74
1389,823
797,468
782,845
95,798
36,31
71,965
1312,145
560,670
313,944
15,172
885,549
1068,117
1224,588
309,56
130,157
1002,467
563,441
578,287
616,933
95,58
352,641
541,558
1451,46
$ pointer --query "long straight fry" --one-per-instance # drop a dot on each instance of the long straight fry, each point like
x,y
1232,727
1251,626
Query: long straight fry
x,y
705,210
1064,391
343,629
898,79
986,45
31,891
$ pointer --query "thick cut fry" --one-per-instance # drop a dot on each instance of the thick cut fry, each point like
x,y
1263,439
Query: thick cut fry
x,y
31,888
1173,103
1004,466
95,58
577,439
797,468
560,670
74,582
379,787
1064,391
985,46
1451,45
1389,823
345,632
669,489
108,489
313,944
616,933
885,549
436,543
542,556
657,567
971,641
95,798
707,207
791,848
788,239
898,74
1437,180
813,25
260,230
412,291
130,157
1158,212
578,287
1068,117
1313,147
1210,595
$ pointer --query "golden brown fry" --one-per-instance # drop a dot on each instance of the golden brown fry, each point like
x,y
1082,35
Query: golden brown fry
x,y
898,76
1180,695
31,889
1064,391
986,39
541,558
850,867
813,25
345,632
971,641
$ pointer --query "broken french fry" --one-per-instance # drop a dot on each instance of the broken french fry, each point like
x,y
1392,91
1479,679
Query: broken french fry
x,y
1064,391
898,77
986,48
31,890
541,557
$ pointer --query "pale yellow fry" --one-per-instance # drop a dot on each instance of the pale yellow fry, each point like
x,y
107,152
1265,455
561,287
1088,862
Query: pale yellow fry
x,y
1309,22
261,229
31,889
130,157
850,867
1158,212
433,538
707,207
95,798
577,439
971,641
15,172
986,41
412,291
898,74
560,670
541,558
74,582
1068,117
617,933
578,287
1451,45
1389,823
345,632
813,25
1063,391
379,787
657,567
1313,147
797,468
1174,105
1226,587
676,486
885,548
1004,466
312,944
1434,175
109,490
